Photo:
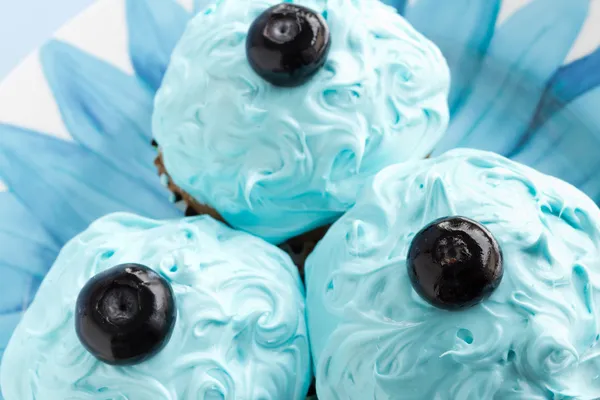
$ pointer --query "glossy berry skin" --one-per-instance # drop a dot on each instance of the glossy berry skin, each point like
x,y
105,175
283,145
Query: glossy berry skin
x,y
287,44
454,263
125,314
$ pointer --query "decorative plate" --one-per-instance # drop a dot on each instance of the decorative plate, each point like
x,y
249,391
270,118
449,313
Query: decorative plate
x,y
75,139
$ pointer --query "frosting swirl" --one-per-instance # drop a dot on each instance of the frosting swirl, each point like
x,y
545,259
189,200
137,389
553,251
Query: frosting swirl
x,y
278,162
240,330
536,337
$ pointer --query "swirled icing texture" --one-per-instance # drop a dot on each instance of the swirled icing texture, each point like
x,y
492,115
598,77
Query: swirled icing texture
x,y
278,162
240,330
535,338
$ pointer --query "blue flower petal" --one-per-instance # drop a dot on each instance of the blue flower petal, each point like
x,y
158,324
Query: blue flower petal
x,y
155,27
24,243
573,80
524,53
67,186
103,108
26,254
462,29
200,5
569,82
566,145
399,5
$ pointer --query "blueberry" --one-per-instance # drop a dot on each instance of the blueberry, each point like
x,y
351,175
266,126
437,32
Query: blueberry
x,y
287,44
454,263
125,314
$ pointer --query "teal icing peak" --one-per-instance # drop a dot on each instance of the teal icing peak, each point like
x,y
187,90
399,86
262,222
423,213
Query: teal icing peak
x,y
536,337
280,161
240,330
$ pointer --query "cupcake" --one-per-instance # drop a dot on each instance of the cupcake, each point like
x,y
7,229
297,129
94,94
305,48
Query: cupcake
x,y
138,309
468,276
271,116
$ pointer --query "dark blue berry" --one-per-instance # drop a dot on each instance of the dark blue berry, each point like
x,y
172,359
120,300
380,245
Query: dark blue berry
x,y
287,44
125,314
454,263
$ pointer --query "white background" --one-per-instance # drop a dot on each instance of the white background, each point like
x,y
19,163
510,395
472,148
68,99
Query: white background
x,y
26,24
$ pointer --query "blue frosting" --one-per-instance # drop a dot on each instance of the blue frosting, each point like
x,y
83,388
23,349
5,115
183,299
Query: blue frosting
x,y
280,161
240,330
536,337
